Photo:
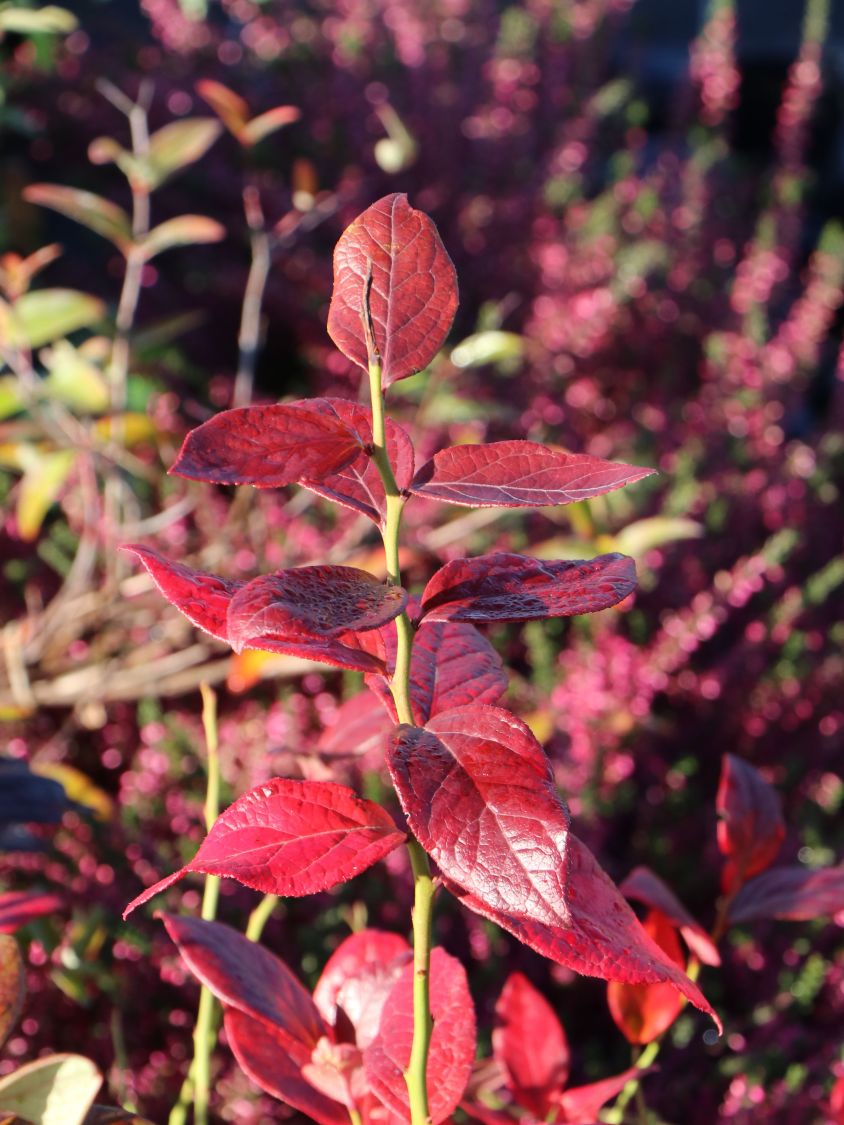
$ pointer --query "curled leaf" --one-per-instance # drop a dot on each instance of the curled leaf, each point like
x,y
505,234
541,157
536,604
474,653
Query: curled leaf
x,y
790,892
750,827
642,885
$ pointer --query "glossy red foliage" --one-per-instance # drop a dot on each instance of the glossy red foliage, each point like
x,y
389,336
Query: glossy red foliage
x,y
505,587
518,474
290,837
642,885
358,485
582,1104
791,892
19,908
531,1046
603,937
642,1012
452,665
203,598
311,602
477,791
357,979
392,259
751,827
452,1042
267,446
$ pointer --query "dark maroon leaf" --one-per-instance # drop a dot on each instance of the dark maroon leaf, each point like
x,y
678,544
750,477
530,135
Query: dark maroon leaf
x,y
452,665
642,885
357,979
519,474
359,729
504,587
358,486
603,937
392,257
19,908
531,1046
751,827
452,1042
292,838
581,1104
311,602
203,598
478,794
268,446
267,1056
796,893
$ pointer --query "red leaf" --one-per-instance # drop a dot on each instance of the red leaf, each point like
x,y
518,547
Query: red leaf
x,y
452,1042
642,885
19,908
311,602
603,938
452,665
203,598
358,486
519,474
412,295
478,794
791,892
359,728
581,1104
362,652
751,828
836,1101
504,587
531,1046
643,1011
265,1054
357,979
244,975
268,446
292,838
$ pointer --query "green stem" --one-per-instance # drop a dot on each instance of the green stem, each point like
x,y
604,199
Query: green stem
x,y
260,916
423,885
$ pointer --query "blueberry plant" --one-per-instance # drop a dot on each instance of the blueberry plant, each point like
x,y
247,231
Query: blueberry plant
x,y
389,1033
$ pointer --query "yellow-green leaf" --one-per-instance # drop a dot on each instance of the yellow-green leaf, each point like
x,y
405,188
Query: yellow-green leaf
x,y
493,346
56,1090
45,315
128,429
644,535
50,20
92,211
41,484
10,396
178,144
12,985
73,380
185,230
78,787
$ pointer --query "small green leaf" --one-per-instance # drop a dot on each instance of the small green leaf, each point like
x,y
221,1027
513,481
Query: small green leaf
x,y
11,401
493,346
92,211
34,21
73,380
185,230
39,490
56,1090
178,144
644,535
48,314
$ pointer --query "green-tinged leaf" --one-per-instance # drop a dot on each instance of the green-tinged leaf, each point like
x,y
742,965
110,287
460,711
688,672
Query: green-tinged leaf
x,y
185,230
41,484
644,535
162,332
563,547
73,380
129,429
10,397
50,20
92,211
45,315
12,985
106,150
229,106
483,348
178,144
265,123
446,408
56,1090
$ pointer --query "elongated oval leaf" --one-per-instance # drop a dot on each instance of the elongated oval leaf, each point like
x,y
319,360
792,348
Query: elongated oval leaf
x,y
317,601
203,598
40,488
49,20
642,1012
452,1048
603,937
518,474
358,485
790,892
477,791
504,587
12,985
184,230
266,123
45,315
92,211
531,1046
54,1090
229,106
391,259
357,979
290,837
642,885
267,446
19,908
751,828
178,144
